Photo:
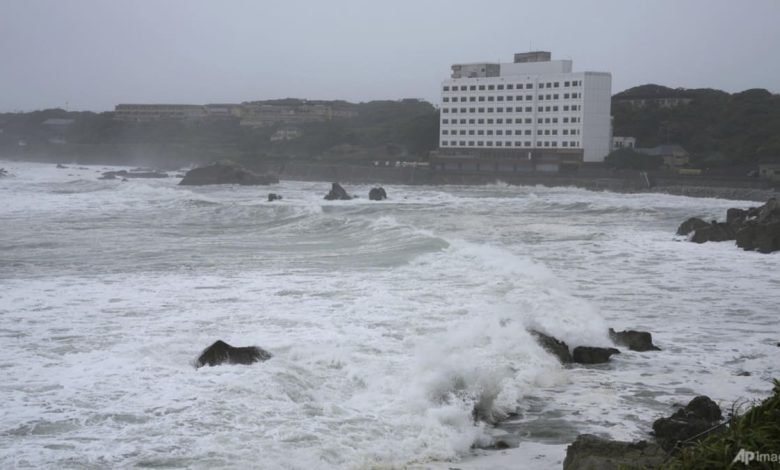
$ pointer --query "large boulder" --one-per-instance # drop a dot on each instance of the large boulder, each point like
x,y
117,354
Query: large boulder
x,y
222,353
714,232
690,225
554,346
634,340
592,355
698,416
377,194
756,228
337,193
589,452
274,197
225,173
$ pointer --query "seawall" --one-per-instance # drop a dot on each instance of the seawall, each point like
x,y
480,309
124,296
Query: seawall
x,y
736,188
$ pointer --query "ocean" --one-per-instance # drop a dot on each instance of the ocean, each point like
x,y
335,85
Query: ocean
x,y
389,322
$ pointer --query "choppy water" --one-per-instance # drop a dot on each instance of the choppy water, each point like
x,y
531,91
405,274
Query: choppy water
x,y
388,321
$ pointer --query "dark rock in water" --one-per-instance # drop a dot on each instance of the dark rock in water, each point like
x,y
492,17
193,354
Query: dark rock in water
x,y
274,197
734,215
377,194
225,173
698,416
589,452
592,355
337,193
223,353
690,225
715,232
756,228
743,373
61,166
554,346
634,340
3,172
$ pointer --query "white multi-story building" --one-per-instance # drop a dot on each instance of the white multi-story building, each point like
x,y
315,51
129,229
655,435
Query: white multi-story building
x,y
534,113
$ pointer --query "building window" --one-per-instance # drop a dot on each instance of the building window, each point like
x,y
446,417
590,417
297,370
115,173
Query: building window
x,y
565,132
547,120
472,121
540,121
462,110
445,99
481,110
541,97
499,121
529,86
453,143
554,143
490,132
471,143
480,121
463,88
490,110
444,132
472,98
472,110
509,97
556,84
499,144
482,87
462,143
491,98
527,132
547,132
528,120
445,110
528,109
491,87
462,132
499,98
500,87
480,132
463,121
565,107
539,109
490,121
564,144
555,108
446,88
547,109
499,132
566,84
527,143
489,143
471,131
480,143
555,132
499,110
555,96
472,87
510,86
481,98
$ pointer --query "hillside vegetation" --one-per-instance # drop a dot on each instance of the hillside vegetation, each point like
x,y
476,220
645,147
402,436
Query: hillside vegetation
x,y
717,128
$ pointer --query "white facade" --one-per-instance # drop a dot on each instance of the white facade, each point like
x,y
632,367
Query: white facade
x,y
529,106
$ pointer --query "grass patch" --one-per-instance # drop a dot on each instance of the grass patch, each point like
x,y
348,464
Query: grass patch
x,y
757,430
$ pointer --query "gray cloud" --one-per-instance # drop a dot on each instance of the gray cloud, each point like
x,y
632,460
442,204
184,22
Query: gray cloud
x,y
93,54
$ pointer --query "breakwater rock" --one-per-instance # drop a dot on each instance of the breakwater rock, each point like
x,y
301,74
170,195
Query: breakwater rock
x,y
756,228
222,353
225,173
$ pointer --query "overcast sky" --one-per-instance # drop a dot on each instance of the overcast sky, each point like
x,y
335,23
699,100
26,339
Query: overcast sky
x,y
93,54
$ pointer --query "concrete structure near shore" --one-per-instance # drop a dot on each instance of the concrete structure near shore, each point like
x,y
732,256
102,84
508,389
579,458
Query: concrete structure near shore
x,y
533,114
